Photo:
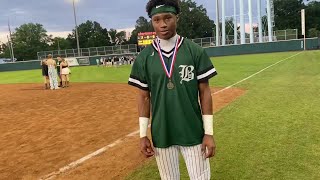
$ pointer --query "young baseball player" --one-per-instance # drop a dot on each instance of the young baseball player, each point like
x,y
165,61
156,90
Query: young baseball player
x,y
172,75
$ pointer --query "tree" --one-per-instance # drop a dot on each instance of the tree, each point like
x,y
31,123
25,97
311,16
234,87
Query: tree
x,y
91,34
28,40
112,35
5,50
120,37
313,32
313,18
59,43
264,21
142,25
2,48
117,38
286,14
194,21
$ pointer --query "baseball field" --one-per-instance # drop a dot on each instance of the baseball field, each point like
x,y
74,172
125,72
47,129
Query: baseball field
x,y
266,122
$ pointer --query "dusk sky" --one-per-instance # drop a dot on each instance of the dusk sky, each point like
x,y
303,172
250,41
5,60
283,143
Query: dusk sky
x,y
57,15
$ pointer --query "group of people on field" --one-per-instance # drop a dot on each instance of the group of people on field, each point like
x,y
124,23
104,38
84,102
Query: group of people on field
x,y
55,73
115,61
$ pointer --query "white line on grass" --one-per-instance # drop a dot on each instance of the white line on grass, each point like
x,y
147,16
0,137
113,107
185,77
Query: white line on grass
x,y
87,157
80,161
256,73
102,150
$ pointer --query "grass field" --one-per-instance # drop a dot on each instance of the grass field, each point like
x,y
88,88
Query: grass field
x,y
272,132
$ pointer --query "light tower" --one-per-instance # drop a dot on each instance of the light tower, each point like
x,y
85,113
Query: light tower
x,y
242,23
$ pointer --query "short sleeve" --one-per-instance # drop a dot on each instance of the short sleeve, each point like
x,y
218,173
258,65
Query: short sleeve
x,y
138,76
205,68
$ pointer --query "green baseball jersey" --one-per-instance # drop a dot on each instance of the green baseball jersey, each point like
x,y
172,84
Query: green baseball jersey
x,y
176,113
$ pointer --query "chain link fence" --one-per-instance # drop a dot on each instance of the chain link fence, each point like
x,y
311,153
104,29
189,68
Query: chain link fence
x,y
93,51
280,35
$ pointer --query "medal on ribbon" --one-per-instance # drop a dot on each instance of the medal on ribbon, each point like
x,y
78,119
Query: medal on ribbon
x,y
170,84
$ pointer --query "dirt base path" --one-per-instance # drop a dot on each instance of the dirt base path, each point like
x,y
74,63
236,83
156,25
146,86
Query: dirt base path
x,y
43,130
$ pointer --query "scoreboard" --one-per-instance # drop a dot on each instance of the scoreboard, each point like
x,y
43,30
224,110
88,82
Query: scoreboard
x,y
146,38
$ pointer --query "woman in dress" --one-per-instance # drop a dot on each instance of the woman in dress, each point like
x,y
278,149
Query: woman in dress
x,y
53,76
65,71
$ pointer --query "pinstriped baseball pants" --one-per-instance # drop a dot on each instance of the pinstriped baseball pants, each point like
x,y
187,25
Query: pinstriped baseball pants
x,y
168,162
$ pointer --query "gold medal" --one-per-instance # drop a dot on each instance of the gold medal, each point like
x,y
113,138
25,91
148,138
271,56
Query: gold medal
x,y
170,85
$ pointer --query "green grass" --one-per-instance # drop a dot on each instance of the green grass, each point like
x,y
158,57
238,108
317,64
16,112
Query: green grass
x,y
30,76
101,74
271,132
230,69
234,68
79,74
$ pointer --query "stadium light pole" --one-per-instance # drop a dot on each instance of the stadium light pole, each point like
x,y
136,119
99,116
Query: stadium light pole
x,y
235,28
259,21
303,27
223,19
269,20
10,42
217,24
250,21
242,23
75,22
9,45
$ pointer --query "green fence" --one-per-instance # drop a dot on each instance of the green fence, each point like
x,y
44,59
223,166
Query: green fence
x,y
92,51
279,46
18,66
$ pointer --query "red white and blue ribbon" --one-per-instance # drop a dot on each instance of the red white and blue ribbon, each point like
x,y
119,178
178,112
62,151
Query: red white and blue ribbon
x,y
174,57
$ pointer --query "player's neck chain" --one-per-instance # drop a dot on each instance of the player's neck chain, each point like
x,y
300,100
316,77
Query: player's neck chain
x,y
170,84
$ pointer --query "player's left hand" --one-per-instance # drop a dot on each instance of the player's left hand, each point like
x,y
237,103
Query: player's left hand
x,y
208,146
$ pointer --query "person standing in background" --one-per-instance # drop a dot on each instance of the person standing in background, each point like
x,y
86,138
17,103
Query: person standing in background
x,y
45,74
58,70
65,71
52,73
98,62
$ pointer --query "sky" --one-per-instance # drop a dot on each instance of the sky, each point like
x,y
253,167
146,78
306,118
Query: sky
x,y
57,15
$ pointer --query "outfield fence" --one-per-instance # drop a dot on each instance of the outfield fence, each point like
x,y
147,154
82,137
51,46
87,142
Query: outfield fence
x,y
92,51
279,35
212,51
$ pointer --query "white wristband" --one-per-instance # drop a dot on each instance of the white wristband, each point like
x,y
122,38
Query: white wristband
x,y
208,124
143,122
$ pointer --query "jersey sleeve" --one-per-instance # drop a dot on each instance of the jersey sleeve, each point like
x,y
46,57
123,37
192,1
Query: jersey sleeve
x,y
138,76
205,68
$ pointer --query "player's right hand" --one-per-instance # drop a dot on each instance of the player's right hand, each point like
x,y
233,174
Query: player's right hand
x,y
146,148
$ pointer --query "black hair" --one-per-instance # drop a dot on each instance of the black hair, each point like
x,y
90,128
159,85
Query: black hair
x,y
153,3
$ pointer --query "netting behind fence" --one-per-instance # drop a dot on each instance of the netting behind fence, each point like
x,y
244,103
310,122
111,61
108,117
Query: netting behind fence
x,y
93,51
278,35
